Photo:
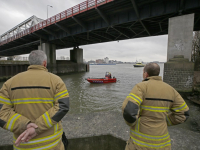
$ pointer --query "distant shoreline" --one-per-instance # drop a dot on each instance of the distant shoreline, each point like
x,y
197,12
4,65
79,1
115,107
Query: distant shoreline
x,y
126,63
102,64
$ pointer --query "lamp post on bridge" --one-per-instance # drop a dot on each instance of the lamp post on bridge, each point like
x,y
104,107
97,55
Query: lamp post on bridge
x,y
47,9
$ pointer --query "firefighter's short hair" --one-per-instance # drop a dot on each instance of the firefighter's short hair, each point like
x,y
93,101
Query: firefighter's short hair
x,y
153,69
37,57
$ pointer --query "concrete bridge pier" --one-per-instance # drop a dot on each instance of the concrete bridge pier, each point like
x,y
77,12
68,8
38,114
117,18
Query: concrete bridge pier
x,y
76,55
50,50
179,70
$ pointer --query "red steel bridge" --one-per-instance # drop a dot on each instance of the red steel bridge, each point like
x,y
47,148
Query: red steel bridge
x,y
97,21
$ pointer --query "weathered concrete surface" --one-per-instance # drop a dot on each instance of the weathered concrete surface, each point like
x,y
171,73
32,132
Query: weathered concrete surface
x,y
104,123
11,62
76,55
50,51
66,66
180,36
179,73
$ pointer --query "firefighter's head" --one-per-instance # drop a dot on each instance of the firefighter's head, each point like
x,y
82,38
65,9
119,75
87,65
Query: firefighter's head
x,y
38,57
151,69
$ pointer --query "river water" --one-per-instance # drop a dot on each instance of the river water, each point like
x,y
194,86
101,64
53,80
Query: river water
x,y
86,97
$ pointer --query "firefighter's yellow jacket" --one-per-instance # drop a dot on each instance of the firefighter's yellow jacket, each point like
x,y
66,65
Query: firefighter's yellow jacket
x,y
39,97
151,106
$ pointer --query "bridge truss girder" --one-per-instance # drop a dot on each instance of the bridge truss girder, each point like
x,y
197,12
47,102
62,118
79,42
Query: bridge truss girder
x,y
28,23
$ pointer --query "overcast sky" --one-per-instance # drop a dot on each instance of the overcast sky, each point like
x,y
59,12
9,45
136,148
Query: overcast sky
x,y
13,12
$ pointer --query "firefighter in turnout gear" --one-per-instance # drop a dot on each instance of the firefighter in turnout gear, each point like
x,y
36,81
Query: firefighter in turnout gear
x,y
32,104
151,106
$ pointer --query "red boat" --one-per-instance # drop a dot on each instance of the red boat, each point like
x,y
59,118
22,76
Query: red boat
x,y
107,79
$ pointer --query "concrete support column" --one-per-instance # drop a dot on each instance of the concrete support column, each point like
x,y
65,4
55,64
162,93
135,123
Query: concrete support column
x,y
50,50
180,36
76,55
179,70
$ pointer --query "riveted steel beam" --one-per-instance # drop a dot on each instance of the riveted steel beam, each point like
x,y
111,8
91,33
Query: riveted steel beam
x,y
40,36
21,46
145,27
85,39
181,8
135,8
103,16
15,42
138,34
63,28
138,16
132,30
49,32
164,30
24,39
79,22
160,27
118,37
101,35
121,32
197,21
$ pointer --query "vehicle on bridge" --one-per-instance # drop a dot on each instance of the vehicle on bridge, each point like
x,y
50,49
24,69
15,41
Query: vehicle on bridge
x,y
108,79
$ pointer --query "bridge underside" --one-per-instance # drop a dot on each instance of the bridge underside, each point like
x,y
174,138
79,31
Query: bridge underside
x,y
117,20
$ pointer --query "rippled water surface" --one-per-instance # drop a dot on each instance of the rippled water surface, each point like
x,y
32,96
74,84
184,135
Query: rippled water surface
x,y
87,97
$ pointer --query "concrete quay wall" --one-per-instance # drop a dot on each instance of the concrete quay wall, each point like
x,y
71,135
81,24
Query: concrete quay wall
x,y
11,68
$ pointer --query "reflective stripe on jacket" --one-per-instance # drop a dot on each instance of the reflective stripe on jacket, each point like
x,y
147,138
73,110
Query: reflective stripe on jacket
x,y
150,107
39,97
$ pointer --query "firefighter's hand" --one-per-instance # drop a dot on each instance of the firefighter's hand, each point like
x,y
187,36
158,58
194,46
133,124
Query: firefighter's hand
x,y
26,136
31,125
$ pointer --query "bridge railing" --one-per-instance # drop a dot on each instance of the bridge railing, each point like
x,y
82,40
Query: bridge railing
x,y
80,8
